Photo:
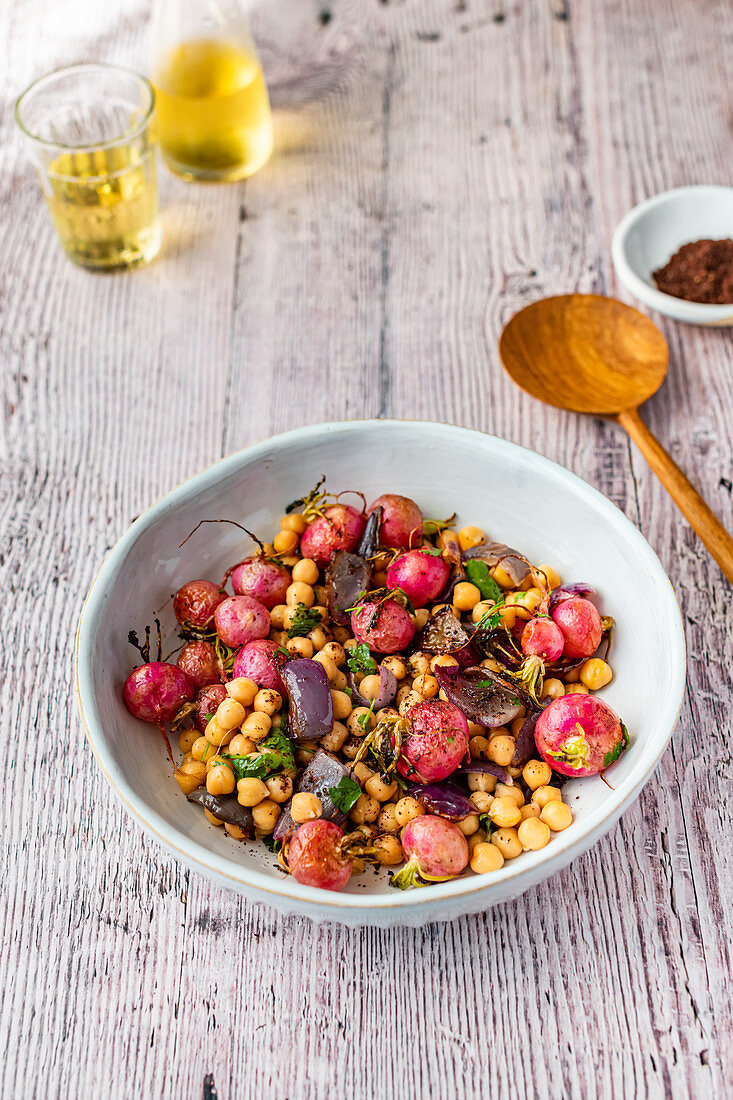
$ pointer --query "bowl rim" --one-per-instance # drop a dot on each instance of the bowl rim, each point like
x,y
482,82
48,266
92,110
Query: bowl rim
x,y
680,308
239,876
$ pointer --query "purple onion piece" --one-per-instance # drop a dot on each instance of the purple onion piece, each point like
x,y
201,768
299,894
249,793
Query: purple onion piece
x,y
476,692
227,808
444,799
526,749
347,576
495,553
323,772
457,574
310,713
387,690
567,591
485,767
369,541
443,633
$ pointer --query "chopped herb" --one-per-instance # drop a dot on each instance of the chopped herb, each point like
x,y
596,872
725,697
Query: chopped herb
x,y
359,659
305,619
349,692
435,526
345,793
363,719
486,823
615,752
492,618
279,743
276,756
432,551
250,767
209,716
477,573
281,649
271,844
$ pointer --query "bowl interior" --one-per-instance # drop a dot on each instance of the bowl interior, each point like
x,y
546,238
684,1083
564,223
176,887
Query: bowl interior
x,y
668,221
516,496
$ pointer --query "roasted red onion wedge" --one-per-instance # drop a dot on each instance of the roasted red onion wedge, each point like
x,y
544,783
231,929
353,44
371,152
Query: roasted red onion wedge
x,y
309,696
323,772
477,693
226,808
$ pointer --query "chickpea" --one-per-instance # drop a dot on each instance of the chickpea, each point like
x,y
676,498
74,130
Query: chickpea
x,y
536,773
493,665
388,850
501,750
250,792
546,794
557,816
482,608
214,762
478,747
202,748
341,635
299,647
234,831
572,677
517,723
365,809
212,818
408,702
230,714
318,638
418,663
336,652
552,688
443,660
220,780
406,809
257,726
504,812
340,683
216,735
482,800
285,542
426,685
507,841
279,637
468,537
531,809
333,741
469,825
306,571
294,522
387,821
501,577
577,689
268,701
280,787
289,559
305,807
377,788
475,730
485,858
420,617
196,769
396,666
277,615
187,757
477,781
387,712
351,747
595,674
188,739
304,754
553,578
506,790
341,705
265,814
533,834
240,745
362,772
465,596
514,772
370,687
329,666
479,837
402,693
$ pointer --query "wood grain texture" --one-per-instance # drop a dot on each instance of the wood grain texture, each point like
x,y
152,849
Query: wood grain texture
x,y
441,163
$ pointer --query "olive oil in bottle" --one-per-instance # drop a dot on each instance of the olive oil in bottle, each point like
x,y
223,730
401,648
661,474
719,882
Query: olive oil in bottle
x,y
214,119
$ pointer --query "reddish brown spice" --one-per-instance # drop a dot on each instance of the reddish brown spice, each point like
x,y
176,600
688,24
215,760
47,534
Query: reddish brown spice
x,y
701,271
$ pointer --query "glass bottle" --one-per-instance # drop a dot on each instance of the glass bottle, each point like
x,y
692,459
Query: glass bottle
x,y
214,119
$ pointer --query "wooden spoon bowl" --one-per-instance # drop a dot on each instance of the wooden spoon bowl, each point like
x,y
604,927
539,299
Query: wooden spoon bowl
x,y
595,355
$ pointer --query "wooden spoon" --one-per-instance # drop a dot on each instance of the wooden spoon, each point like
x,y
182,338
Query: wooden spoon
x,y
596,355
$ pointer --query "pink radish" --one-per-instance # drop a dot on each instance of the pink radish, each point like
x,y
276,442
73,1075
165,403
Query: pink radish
x,y
241,619
315,857
580,735
200,663
436,849
256,661
194,604
401,521
422,576
155,691
265,580
207,701
543,638
581,626
436,743
339,528
385,628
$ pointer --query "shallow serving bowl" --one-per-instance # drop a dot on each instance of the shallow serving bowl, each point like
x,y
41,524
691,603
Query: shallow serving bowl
x,y
655,229
517,496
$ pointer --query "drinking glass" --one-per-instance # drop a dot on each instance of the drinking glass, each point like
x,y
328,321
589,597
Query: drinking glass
x,y
214,118
89,133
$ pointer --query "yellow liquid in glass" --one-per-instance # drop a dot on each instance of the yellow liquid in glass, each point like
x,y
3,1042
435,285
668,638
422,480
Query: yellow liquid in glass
x,y
104,205
214,118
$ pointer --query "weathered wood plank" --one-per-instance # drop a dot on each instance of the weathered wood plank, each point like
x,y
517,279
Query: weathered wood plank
x,y
439,166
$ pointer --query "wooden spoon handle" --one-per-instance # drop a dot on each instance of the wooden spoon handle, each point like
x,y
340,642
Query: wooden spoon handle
x,y
687,498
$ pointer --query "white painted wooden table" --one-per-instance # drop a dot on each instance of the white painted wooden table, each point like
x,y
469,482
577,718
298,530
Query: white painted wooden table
x,y
440,163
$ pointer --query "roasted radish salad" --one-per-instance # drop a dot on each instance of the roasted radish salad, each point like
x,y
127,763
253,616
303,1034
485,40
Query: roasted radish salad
x,y
375,687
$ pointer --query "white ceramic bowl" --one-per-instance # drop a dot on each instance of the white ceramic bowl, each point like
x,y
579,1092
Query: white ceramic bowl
x,y
655,229
517,496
